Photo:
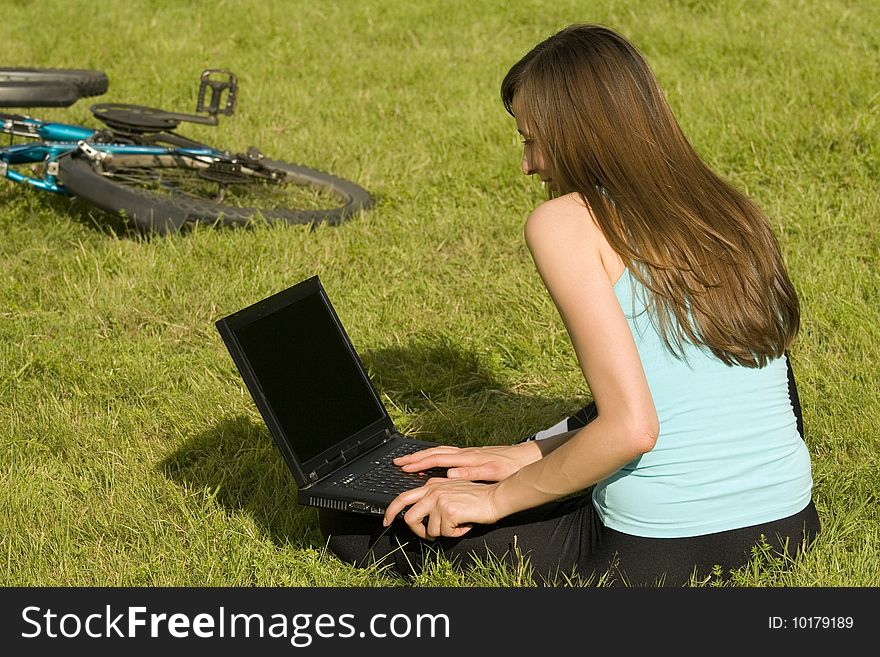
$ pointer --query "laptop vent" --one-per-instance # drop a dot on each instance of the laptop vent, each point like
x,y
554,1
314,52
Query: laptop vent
x,y
324,503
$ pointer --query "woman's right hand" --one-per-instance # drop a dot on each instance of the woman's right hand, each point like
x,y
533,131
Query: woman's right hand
x,y
473,463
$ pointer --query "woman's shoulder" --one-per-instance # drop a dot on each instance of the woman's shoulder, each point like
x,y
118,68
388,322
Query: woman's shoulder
x,y
567,222
560,219
570,206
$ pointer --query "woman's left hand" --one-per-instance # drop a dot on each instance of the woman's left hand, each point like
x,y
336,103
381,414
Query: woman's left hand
x,y
474,463
444,507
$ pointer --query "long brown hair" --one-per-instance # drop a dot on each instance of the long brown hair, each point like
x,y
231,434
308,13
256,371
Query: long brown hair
x,y
707,253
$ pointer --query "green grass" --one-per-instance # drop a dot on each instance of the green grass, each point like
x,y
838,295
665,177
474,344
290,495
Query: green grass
x,y
130,452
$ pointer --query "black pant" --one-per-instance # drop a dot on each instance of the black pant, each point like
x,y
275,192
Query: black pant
x,y
566,538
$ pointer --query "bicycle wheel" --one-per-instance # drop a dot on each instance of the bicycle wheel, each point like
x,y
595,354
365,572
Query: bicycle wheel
x,y
37,94
163,193
87,82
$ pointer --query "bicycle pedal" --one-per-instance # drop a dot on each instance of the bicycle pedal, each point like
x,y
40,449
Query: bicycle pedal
x,y
218,81
225,173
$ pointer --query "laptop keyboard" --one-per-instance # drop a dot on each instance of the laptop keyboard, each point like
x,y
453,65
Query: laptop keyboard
x,y
386,477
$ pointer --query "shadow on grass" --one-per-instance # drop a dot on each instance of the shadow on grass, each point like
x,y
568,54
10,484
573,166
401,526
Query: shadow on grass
x,y
446,393
105,223
439,391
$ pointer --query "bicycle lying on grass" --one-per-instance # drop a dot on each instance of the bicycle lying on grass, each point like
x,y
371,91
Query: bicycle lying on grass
x,y
139,168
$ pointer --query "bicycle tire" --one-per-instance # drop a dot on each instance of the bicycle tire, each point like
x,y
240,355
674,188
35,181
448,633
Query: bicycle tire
x,y
37,94
161,208
87,82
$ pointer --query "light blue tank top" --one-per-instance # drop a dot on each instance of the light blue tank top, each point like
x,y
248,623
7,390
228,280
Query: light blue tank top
x,y
728,454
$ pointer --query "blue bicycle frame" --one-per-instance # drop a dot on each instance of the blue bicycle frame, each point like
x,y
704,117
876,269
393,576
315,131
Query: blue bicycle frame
x,y
56,140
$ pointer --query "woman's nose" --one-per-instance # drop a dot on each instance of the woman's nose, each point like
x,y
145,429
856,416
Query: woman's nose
x,y
526,166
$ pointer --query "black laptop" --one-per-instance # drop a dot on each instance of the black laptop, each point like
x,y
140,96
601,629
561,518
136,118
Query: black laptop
x,y
318,402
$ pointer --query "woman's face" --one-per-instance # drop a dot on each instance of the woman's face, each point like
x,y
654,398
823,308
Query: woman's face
x,y
533,161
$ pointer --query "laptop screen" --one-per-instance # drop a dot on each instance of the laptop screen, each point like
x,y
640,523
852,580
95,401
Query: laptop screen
x,y
308,374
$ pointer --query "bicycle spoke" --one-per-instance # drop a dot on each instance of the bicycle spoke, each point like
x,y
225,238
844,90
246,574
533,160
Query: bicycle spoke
x,y
252,191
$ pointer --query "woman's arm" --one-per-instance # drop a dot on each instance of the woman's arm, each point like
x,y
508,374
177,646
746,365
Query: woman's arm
x,y
565,245
492,463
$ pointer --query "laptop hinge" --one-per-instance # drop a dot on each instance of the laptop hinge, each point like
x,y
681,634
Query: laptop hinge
x,y
353,452
361,447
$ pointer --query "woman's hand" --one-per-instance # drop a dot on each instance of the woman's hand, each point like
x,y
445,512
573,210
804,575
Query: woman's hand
x,y
444,507
472,463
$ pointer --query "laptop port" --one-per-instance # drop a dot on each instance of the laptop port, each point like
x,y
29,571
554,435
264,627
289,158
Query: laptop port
x,y
357,506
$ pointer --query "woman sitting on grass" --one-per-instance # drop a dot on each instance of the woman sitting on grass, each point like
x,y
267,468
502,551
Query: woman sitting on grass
x,y
673,291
